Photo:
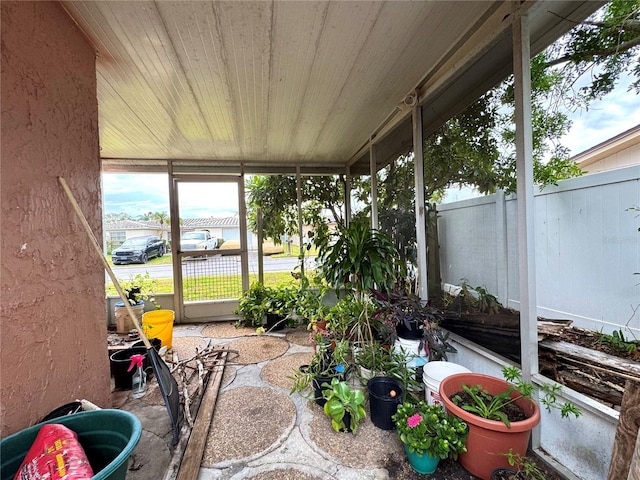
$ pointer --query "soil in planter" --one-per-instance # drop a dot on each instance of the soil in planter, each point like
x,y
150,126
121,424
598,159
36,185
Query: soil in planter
x,y
513,412
508,475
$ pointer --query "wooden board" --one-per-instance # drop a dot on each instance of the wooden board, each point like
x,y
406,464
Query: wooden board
x,y
190,466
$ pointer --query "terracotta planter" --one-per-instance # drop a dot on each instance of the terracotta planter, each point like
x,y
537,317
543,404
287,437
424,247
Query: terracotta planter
x,y
488,438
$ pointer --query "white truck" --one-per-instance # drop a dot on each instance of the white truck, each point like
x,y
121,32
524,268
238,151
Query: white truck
x,y
198,240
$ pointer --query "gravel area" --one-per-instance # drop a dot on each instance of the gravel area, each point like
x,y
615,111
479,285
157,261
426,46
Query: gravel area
x,y
299,336
370,447
288,474
247,421
278,371
226,330
257,349
185,347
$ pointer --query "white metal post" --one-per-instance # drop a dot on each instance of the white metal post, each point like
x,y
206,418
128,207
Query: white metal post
x,y
421,222
347,196
374,184
524,171
300,229
242,221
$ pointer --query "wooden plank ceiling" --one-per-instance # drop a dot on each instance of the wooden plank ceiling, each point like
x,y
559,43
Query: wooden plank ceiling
x,y
275,84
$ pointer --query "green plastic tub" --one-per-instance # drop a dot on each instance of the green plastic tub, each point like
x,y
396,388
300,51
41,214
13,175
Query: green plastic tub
x,y
107,436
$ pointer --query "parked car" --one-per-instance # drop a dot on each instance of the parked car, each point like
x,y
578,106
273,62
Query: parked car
x,y
198,240
138,250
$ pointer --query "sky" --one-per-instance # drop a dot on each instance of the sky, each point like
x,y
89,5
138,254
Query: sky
x,y
137,194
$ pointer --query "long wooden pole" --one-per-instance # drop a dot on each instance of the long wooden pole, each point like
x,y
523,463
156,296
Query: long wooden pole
x,y
98,250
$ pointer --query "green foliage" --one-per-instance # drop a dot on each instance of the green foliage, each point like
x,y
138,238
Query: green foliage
x,y
619,342
605,46
276,196
428,429
259,300
140,287
524,465
490,406
359,258
340,400
403,308
325,362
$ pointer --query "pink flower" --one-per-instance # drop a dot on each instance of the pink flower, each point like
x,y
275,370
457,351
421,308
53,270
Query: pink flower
x,y
414,420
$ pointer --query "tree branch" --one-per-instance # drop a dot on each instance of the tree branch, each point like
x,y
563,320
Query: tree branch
x,y
604,52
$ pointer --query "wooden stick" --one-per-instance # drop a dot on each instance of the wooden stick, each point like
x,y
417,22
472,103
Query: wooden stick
x,y
192,458
98,249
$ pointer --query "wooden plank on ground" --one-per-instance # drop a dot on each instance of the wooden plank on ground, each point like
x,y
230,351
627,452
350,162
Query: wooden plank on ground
x,y
190,466
626,433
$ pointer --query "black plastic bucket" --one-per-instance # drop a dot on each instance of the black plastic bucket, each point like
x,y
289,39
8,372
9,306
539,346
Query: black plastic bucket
x,y
275,322
382,404
120,362
156,343
64,410
317,382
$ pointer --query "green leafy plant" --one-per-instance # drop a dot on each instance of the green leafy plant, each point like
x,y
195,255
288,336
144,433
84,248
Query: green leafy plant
x,y
526,469
340,401
140,287
330,359
491,407
359,258
429,429
401,308
259,300
618,341
252,306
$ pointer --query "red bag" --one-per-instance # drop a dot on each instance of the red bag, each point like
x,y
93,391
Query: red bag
x,y
55,454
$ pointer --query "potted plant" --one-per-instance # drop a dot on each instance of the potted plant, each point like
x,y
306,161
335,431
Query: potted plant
x,y
523,468
252,306
359,258
139,288
480,400
326,364
345,407
405,316
429,434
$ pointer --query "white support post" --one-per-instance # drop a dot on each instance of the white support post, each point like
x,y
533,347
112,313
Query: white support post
x,y
502,259
374,184
300,229
524,172
242,211
421,222
347,196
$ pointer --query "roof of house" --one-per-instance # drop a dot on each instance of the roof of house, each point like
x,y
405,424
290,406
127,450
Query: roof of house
x,y
187,223
607,148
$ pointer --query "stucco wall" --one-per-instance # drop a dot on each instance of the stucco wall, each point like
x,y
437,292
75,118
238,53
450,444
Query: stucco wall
x,y
53,338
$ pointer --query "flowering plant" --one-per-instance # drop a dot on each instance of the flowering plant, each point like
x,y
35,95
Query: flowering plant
x,y
427,428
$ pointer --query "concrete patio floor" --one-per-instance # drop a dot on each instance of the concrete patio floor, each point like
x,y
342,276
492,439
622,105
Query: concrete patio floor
x,y
261,432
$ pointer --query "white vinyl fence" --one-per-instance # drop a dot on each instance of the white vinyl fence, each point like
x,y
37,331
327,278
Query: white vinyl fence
x,y
587,249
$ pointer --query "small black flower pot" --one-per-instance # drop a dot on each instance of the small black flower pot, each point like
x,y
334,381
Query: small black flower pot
x,y
275,322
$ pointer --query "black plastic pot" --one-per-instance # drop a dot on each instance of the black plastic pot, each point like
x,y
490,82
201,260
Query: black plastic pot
x,y
156,343
383,405
275,322
317,383
412,332
120,362
64,410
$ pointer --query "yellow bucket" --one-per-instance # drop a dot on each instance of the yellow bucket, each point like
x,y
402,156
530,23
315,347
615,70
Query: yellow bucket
x,y
159,324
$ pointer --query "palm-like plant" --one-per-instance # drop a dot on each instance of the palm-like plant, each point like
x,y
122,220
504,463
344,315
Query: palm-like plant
x,y
359,258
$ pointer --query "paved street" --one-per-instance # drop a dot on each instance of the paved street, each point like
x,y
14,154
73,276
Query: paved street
x,y
287,264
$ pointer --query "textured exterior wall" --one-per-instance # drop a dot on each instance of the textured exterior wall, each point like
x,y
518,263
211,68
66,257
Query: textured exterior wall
x,y
53,337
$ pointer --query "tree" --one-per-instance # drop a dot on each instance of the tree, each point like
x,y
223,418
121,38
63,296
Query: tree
x,y
606,45
276,196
